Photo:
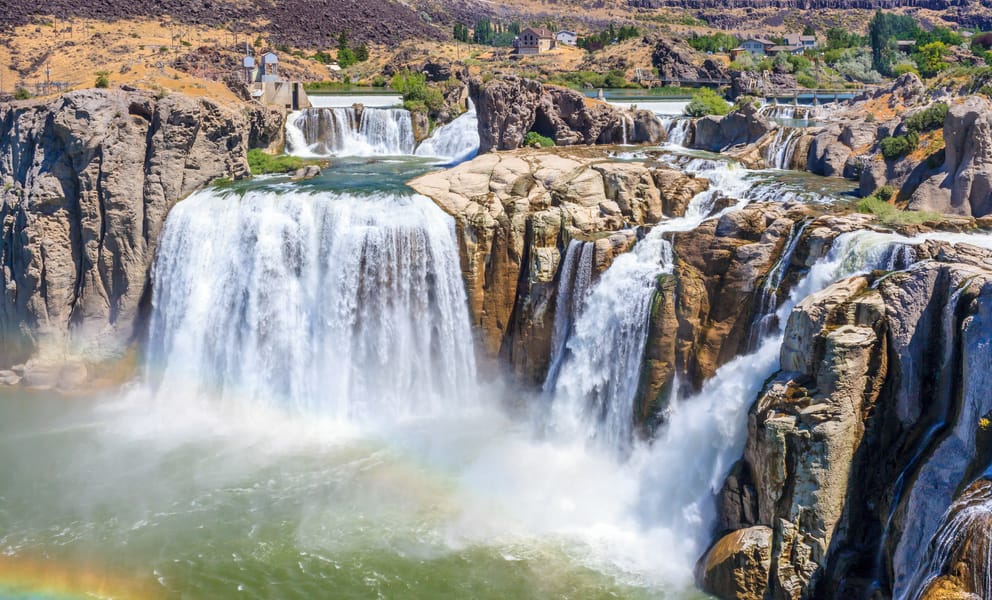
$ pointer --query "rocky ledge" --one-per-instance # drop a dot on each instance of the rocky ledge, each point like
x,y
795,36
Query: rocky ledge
x,y
88,180
516,212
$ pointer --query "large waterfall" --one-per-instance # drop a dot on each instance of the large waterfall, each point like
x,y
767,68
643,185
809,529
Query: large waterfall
x,y
329,304
350,131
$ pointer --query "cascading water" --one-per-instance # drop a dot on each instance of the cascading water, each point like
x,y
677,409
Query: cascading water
x,y
765,319
454,142
597,380
685,466
782,149
343,132
321,304
677,129
573,286
962,538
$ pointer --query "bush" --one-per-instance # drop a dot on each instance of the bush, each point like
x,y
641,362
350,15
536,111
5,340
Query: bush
x,y
930,118
718,42
854,64
417,95
21,94
534,138
806,80
899,146
903,68
707,102
262,163
878,204
102,79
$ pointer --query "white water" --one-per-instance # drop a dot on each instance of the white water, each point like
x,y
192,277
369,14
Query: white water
x,y
456,141
765,319
573,287
596,385
316,132
684,468
779,154
678,130
319,304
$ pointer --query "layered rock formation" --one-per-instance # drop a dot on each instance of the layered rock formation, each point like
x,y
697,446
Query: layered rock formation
x,y
674,61
511,107
87,182
743,126
855,447
515,213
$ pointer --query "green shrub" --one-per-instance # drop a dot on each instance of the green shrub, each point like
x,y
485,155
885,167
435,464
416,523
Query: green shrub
x,y
21,93
931,117
877,204
262,163
102,79
706,102
898,146
416,93
903,68
534,138
806,80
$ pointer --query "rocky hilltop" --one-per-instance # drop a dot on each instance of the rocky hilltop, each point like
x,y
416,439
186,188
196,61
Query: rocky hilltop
x,y
88,180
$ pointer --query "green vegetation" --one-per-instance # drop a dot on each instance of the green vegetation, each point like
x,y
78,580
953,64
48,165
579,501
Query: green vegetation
x,y
326,86
931,47
534,138
839,39
878,204
21,93
612,35
492,33
261,163
460,33
707,102
930,58
717,42
591,79
102,79
899,145
417,95
347,55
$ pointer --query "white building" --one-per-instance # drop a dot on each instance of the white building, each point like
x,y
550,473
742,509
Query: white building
x,y
569,38
757,46
807,42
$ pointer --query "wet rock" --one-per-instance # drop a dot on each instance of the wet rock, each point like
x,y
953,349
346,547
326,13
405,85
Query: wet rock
x,y
738,565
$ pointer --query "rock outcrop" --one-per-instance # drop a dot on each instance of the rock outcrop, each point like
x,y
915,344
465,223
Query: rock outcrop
x,y
963,185
743,126
841,462
510,107
88,180
515,214
674,61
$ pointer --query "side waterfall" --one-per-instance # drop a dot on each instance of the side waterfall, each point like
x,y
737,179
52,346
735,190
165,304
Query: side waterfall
x,y
343,132
573,287
678,130
782,149
323,304
456,141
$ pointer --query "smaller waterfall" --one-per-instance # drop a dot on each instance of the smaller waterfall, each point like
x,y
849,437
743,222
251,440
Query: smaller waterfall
x,y
765,320
573,286
963,537
346,132
456,141
780,152
678,130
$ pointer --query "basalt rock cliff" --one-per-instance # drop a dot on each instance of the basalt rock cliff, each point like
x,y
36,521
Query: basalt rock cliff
x,y
87,182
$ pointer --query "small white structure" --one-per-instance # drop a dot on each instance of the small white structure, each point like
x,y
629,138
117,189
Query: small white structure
x,y
269,71
568,38
248,67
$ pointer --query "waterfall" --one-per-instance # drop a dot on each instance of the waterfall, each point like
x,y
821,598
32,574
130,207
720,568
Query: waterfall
x,y
343,132
764,321
594,387
454,142
677,129
316,303
573,286
963,536
781,150
685,466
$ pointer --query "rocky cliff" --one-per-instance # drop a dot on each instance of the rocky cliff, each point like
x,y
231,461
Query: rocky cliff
x,y
511,107
88,180
856,446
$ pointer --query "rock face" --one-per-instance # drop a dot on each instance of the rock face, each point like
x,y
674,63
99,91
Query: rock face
x,y
674,62
515,214
510,107
743,126
840,461
87,182
746,83
963,186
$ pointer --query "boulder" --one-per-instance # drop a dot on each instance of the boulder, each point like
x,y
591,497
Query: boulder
x,y
743,126
738,565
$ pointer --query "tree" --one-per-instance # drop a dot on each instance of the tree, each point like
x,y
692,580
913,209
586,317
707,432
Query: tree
x,y
362,52
930,58
706,102
883,32
102,79
808,30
